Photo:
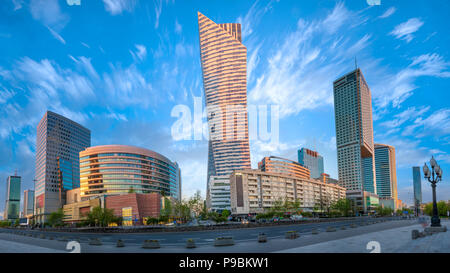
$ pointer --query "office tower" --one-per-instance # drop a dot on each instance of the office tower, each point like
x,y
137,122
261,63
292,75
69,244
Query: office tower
x,y
312,160
224,67
120,169
12,206
354,132
275,164
386,174
417,181
58,143
28,203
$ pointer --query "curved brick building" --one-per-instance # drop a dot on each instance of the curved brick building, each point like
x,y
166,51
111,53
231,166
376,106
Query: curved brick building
x,y
119,169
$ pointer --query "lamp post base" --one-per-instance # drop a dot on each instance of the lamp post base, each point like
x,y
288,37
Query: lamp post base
x,y
435,221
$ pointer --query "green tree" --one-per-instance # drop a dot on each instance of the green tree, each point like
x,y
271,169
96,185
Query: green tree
x,y
102,217
226,213
343,206
56,218
131,190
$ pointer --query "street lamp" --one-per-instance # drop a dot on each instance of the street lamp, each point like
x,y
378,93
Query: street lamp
x,y
433,177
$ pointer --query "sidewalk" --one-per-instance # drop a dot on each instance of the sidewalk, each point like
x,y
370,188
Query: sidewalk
x,y
14,247
396,240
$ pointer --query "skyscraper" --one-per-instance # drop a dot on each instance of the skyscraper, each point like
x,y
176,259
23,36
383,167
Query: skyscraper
x,y
28,203
417,181
311,160
12,206
224,67
386,174
58,143
354,132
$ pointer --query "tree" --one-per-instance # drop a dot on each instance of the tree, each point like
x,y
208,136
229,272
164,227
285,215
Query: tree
x,y
226,213
441,206
344,206
102,217
131,190
56,218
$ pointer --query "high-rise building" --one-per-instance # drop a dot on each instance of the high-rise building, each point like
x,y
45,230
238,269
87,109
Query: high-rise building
x,y
12,206
312,160
120,169
275,164
417,181
224,67
28,203
386,174
58,143
354,132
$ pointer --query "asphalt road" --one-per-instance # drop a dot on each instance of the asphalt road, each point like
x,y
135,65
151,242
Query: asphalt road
x,y
206,238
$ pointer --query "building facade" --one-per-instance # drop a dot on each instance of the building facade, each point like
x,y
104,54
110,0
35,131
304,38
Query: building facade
x,y
363,202
12,205
58,139
28,203
325,178
120,169
255,191
386,174
312,160
224,68
417,185
354,132
274,164
218,193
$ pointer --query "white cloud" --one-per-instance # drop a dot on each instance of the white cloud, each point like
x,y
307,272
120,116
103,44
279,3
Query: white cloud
x,y
140,54
178,27
158,11
408,114
405,30
49,13
118,6
388,12
57,36
402,83
437,124
299,73
17,4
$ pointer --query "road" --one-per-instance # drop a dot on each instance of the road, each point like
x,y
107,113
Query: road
x,y
175,241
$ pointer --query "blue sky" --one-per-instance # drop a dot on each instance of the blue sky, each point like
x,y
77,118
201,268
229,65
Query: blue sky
x,y
119,67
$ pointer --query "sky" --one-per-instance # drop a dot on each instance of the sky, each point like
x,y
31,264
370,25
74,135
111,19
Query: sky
x,y
119,67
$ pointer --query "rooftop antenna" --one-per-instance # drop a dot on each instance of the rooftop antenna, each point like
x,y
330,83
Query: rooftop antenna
x,y
356,64
15,172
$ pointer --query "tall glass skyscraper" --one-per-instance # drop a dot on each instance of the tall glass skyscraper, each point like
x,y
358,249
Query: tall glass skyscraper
x,y
58,143
12,206
354,132
386,171
224,67
311,160
28,203
417,181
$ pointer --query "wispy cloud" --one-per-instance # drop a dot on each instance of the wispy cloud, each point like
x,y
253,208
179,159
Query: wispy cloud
x,y
437,124
388,13
178,27
402,83
297,75
140,53
119,6
158,11
57,36
49,13
405,30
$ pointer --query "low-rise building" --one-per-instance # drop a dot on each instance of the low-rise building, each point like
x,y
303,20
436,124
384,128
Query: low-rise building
x,y
255,191
363,202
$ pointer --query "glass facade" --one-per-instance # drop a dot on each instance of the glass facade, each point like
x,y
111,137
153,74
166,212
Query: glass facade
x,y
312,160
28,203
58,143
417,180
224,67
12,207
119,169
354,132
385,171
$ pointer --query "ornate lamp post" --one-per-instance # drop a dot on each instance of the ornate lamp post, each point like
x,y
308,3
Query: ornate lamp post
x,y
433,177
